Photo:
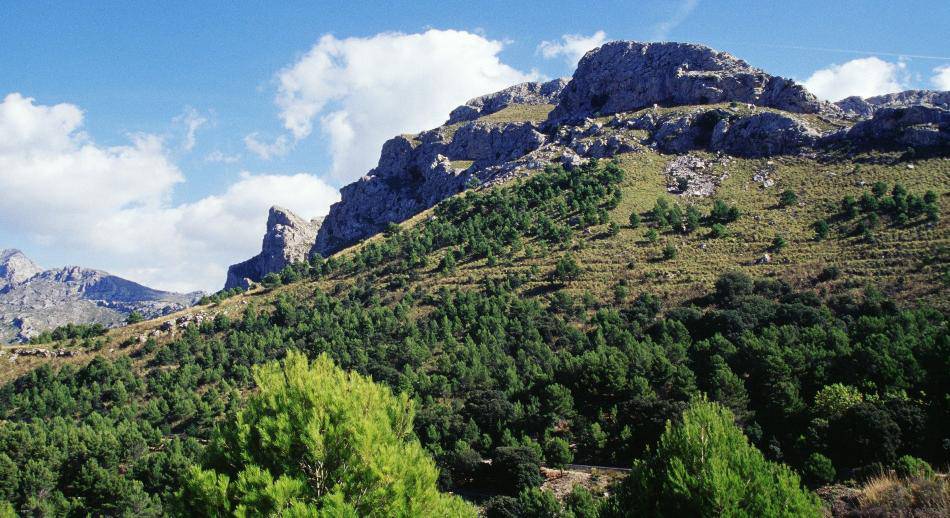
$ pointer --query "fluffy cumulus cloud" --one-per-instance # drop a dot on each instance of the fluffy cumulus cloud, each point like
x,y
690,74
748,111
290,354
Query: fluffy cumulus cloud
x,y
112,205
864,77
572,47
941,78
361,91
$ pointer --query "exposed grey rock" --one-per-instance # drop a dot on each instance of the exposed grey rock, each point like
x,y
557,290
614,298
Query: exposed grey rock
x,y
689,175
532,93
762,134
288,240
491,144
15,267
916,126
57,297
857,107
626,76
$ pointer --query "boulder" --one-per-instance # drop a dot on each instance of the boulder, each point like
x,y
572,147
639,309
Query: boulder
x,y
916,126
625,76
288,240
762,134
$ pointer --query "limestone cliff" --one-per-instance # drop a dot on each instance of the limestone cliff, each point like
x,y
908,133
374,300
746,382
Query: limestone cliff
x,y
288,239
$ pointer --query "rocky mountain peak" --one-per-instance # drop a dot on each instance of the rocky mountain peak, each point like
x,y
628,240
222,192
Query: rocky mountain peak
x,y
288,239
15,267
857,107
624,76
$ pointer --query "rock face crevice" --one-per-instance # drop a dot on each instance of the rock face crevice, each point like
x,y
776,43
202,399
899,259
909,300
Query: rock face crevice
x,y
288,240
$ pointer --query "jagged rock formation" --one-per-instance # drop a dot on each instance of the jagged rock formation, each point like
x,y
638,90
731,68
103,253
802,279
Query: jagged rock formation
x,y
33,300
624,76
524,93
623,97
15,268
857,107
288,240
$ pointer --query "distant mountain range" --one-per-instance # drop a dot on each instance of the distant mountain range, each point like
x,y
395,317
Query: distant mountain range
x,y
33,299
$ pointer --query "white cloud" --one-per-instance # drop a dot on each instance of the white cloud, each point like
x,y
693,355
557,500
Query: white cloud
x,y
864,77
941,78
110,207
362,91
219,157
192,121
661,31
280,147
572,47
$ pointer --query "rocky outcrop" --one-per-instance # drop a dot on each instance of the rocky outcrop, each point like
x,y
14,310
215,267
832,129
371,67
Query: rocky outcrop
x,y
658,94
856,107
15,268
915,126
52,298
288,240
762,134
625,76
524,93
414,174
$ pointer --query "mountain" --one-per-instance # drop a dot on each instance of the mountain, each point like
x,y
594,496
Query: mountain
x,y
288,239
673,261
33,300
624,97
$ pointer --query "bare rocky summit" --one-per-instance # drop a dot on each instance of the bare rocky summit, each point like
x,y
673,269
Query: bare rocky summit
x,y
624,76
288,240
33,300
624,97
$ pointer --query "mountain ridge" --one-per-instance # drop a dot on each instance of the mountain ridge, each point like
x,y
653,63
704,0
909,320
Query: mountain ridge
x,y
33,300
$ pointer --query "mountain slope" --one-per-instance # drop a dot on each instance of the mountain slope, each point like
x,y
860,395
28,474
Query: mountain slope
x,y
789,265
33,300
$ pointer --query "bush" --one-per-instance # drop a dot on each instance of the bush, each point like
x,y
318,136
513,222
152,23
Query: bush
x,y
909,466
566,268
134,318
821,229
634,220
515,468
705,466
271,280
818,470
557,452
787,198
723,213
652,235
732,286
779,243
669,252
718,230
613,229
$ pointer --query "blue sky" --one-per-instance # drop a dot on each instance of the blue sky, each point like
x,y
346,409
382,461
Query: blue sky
x,y
139,70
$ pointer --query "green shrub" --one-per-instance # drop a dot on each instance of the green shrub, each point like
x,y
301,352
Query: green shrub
x,y
669,252
821,229
779,243
705,466
787,198
634,220
909,466
818,470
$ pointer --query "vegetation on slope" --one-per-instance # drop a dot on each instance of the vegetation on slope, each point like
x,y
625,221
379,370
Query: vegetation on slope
x,y
541,330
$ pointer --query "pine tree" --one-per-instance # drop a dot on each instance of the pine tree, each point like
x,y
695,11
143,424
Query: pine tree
x,y
318,440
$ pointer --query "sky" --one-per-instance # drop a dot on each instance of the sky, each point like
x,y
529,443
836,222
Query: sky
x,y
149,139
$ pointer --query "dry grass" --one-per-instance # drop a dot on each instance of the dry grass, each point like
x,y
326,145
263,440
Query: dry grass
x,y
890,495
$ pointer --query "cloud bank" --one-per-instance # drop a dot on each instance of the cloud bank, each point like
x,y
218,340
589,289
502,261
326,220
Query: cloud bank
x,y
864,77
360,92
62,190
572,47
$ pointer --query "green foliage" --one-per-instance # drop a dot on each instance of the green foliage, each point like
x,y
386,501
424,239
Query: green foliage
x,y
818,470
134,318
557,452
705,466
515,468
910,466
821,229
317,439
834,400
566,268
272,280
718,230
669,252
787,198
634,220
723,213
779,243
651,235
901,208
70,332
